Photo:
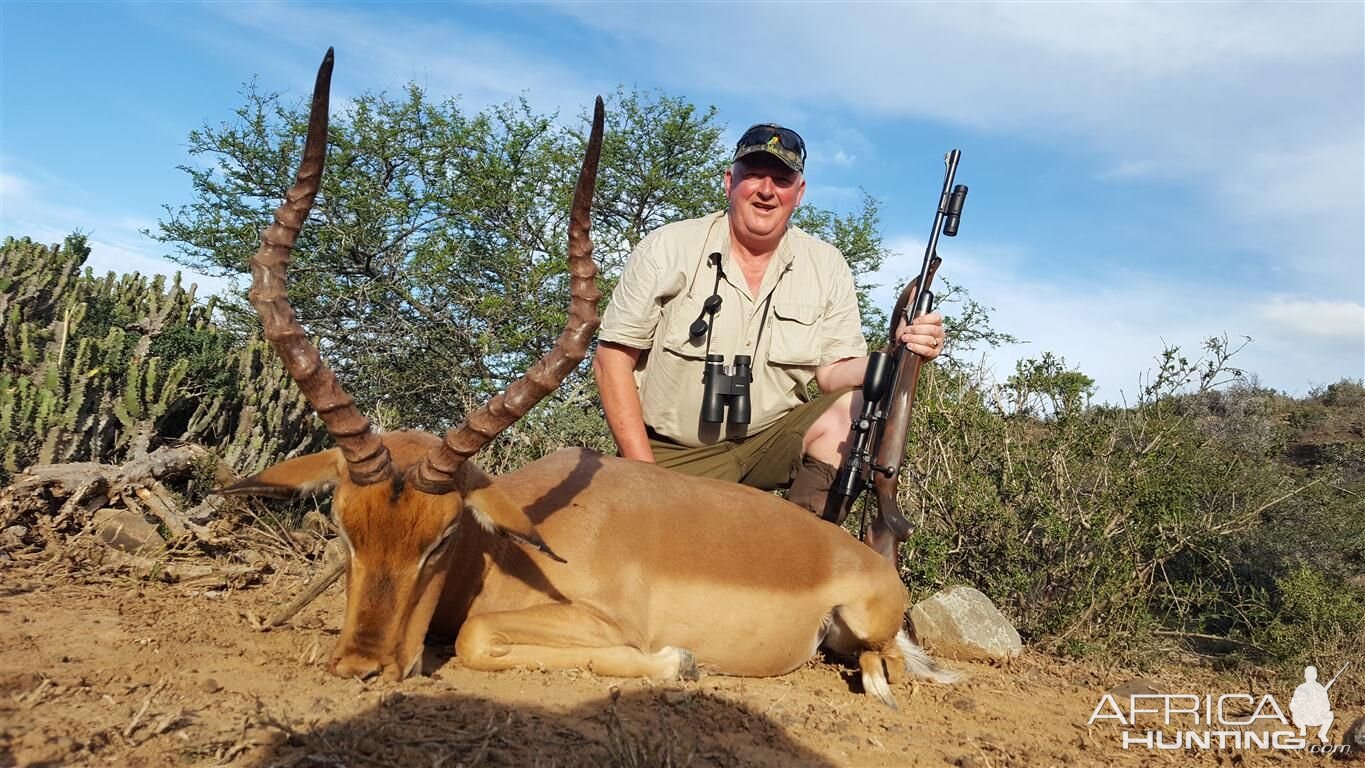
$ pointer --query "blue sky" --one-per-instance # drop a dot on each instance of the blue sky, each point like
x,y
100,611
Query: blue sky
x,y
1141,174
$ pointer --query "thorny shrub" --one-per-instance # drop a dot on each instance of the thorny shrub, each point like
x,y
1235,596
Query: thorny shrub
x,y
1108,530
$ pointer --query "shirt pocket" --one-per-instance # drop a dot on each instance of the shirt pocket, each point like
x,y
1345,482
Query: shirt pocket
x,y
795,335
677,323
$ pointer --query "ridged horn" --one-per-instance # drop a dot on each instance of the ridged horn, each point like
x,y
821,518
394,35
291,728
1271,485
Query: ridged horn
x,y
436,472
367,459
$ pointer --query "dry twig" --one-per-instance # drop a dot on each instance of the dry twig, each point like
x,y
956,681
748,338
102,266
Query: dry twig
x,y
316,588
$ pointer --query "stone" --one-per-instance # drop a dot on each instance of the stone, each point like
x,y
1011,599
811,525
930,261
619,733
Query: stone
x,y
13,537
1354,738
335,551
961,623
315,522
127,531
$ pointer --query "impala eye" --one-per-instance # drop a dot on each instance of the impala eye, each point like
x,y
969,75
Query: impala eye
x,y
438,545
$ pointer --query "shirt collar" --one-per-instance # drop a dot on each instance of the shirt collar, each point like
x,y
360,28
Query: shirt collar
x,y
719,240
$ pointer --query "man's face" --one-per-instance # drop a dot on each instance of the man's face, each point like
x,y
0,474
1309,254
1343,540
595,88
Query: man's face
x,y
763,192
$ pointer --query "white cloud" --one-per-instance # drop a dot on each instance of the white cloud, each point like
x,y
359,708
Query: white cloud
x,y
841,157
116,243
1260,106
1113,327
386,51
1127,169
11,186
1329,319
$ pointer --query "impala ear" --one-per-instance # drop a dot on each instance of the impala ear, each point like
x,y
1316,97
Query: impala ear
x,y
305,475
497,513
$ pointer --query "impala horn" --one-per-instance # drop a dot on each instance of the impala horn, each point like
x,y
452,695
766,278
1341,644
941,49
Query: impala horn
x,y
367,460
436,473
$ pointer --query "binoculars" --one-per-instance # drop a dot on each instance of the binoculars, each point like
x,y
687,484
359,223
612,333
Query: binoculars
x,y
726,387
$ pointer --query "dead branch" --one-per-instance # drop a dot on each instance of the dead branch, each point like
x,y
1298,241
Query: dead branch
x,y
316,588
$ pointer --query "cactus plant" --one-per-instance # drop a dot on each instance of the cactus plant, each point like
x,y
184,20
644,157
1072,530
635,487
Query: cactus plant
x,y
106,368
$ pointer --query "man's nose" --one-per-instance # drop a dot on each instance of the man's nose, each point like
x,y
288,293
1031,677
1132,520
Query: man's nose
x,y
766,187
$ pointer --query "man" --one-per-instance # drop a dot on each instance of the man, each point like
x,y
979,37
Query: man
x,y
1310,706
785,299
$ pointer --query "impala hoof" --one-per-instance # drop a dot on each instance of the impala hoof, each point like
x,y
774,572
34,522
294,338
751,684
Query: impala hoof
x,y
687,666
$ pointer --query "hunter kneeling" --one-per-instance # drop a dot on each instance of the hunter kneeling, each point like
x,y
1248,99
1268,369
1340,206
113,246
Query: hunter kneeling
x,y
719,324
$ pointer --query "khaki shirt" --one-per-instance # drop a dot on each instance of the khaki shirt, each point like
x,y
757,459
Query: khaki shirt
x,y
812,321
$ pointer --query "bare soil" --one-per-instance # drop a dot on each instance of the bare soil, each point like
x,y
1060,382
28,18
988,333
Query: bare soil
x,y
102,668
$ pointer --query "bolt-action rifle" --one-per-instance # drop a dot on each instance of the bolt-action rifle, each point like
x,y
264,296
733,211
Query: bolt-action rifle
x,y
878,438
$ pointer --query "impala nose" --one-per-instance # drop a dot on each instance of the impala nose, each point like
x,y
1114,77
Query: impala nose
x,y
358,667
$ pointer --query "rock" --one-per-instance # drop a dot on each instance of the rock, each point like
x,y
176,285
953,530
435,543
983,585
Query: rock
x,y
336,550
35,749
22,682
13,537
315,522
961,623
1354,737
126,531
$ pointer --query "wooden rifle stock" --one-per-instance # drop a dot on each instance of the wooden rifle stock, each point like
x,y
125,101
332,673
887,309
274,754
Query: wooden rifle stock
x,y
891,526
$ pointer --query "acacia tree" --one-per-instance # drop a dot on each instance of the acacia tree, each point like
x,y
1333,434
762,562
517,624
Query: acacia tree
x,y
662,161
432,267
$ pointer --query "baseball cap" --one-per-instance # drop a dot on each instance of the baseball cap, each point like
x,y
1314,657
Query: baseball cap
x,y
783,143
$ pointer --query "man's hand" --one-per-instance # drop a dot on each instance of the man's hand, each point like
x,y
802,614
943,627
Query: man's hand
x,y
924,336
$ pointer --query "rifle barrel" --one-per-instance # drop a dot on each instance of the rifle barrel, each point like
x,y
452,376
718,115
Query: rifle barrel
x,y
1334,677
950,162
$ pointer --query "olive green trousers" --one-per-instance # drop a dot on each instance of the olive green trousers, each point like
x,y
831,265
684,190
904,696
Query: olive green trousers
x,y
768,460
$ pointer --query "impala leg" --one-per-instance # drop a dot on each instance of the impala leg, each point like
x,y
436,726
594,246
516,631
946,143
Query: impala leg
x,y
563,637
868,626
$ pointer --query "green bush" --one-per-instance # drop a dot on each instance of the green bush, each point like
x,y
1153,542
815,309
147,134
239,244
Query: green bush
x,y
1095,527
1313,621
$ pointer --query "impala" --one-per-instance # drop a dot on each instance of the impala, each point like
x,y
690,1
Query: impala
x,y
577,560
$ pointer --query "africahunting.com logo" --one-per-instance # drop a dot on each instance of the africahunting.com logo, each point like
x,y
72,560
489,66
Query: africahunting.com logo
x,y
1180,721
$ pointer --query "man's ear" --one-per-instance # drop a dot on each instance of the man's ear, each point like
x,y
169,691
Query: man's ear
x,y
311,474
729,179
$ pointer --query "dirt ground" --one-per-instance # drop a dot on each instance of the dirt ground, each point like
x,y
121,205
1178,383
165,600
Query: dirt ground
x,y
102,668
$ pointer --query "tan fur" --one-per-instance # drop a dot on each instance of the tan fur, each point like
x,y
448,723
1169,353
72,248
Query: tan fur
x,y
661,571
